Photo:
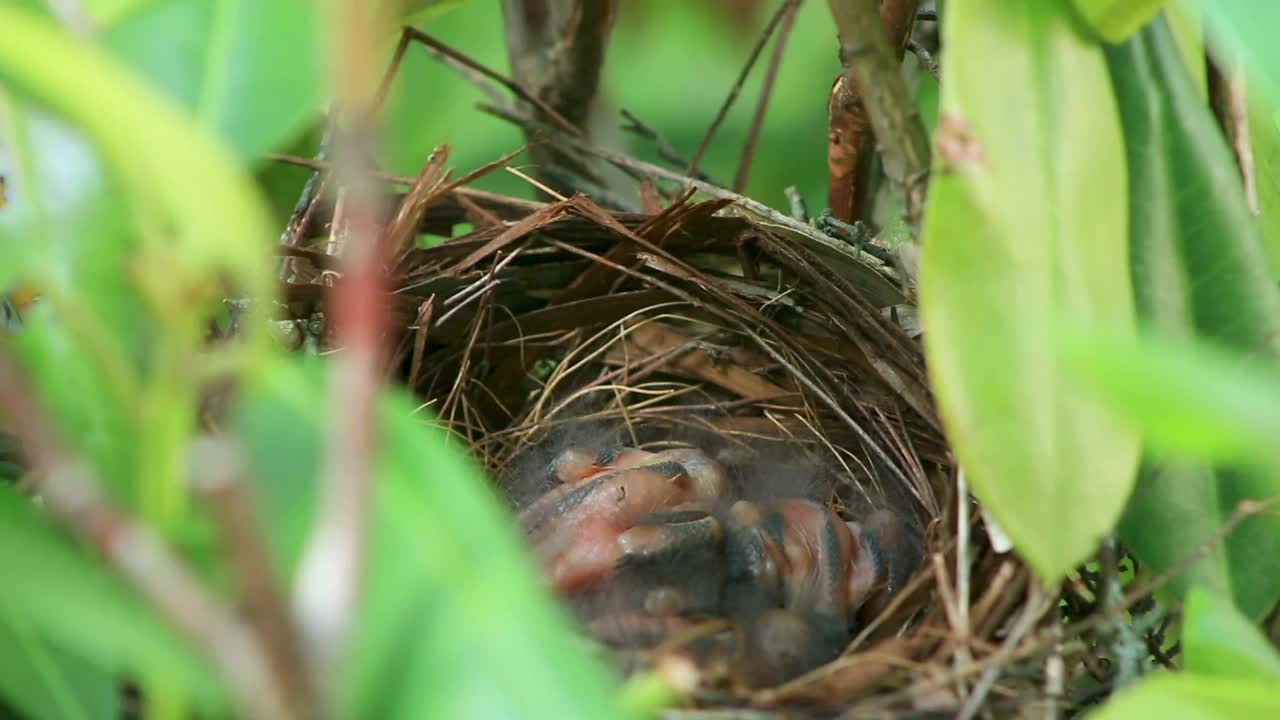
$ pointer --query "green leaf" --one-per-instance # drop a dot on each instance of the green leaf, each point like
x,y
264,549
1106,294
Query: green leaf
x,y
1196,402
198,222
218,223
1186,23
1198,263
1244,28
455,624
1025,226
1199,270
106,13
1218,640
1186,696
249,70
43,682
1264,132
1191,400
53,188
59,196
68,600
1115,20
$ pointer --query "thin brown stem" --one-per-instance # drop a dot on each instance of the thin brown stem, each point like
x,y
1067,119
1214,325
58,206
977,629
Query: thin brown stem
x,y
329,576
516,88
770,76
737,86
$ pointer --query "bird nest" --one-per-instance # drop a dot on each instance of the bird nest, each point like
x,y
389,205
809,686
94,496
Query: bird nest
x,y
773,348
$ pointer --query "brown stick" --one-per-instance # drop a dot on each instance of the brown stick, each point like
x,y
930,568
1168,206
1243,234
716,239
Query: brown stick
x,y
872,94
329,577
737,86
770,76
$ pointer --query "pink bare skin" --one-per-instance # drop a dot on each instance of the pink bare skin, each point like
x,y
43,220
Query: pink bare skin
x,y
583,541
575,467
825,564
822,554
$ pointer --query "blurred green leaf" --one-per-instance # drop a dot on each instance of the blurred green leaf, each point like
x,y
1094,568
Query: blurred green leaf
x,y
68,600
1246,29
250,70
1191,400
1186,696
195,223
1186,23
1115,20
1023,226
107,12
58,197
1198,263
45,683
1264,132
1199,269
218,223
454,623
53,188
1218,640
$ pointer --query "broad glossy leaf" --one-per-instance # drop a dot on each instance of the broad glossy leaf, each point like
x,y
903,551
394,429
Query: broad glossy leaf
x,y
1199,270
1024,225
1115,20
1218,640
43,682
454,622
66,598
1187,696
250,70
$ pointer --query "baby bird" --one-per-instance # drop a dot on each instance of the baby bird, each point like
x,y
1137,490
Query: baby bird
x,y
581,528
657,537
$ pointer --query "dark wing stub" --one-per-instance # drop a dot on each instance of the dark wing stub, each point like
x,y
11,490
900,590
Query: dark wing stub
x,y
647,546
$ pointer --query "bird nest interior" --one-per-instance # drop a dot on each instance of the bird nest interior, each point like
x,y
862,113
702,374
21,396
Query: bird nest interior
x,y
558,337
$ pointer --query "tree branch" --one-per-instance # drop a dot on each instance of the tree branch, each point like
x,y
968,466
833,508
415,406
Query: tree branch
x,y
872,76
557,48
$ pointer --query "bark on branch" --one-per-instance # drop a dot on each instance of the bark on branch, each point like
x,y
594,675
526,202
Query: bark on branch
x,y
557,48
871,91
